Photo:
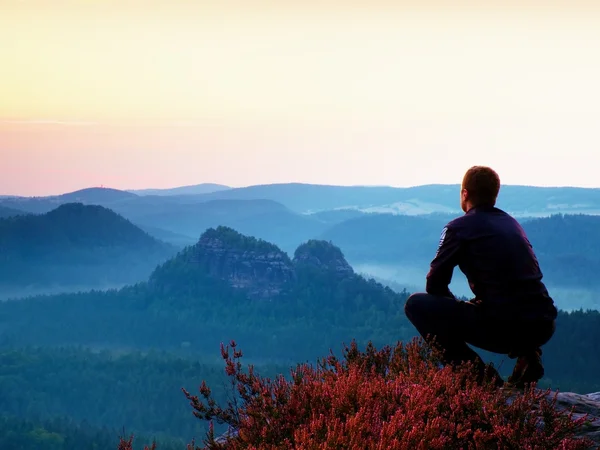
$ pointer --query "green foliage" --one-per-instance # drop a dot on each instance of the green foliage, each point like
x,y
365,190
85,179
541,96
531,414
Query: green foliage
x,y
113,389
64,434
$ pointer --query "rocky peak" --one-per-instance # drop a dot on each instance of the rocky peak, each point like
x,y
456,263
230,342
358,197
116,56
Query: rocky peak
x,y
323,255
253,265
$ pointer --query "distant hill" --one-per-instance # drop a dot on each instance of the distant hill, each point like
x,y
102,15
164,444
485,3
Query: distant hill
x,y
568,247
205,188
314,198
181,219
335,216
9,212
400,248
96,196
176,239
265,219
519,200
78,245
91,196
387,238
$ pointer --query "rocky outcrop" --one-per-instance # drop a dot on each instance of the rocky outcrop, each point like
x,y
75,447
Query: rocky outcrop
x,y
323,255
255,266
581,405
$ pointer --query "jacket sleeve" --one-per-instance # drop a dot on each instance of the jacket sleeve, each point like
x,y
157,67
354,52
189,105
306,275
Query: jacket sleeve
x,y
442,266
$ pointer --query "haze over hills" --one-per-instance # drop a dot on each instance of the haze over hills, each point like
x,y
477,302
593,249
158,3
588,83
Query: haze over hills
x,y
306,198
265,219
388,246
226,286
75,245
204,188
400,248
519,200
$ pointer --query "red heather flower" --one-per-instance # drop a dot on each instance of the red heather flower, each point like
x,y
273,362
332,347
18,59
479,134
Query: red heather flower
x,y
393,398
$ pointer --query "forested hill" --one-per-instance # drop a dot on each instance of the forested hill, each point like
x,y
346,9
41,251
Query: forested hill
x,y
227,286
568,247
76,244
280,310
9,212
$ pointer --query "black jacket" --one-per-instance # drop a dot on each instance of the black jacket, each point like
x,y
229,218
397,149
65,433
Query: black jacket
x,y
490,247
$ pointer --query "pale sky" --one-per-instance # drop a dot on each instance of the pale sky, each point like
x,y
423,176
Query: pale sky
x,y
161,93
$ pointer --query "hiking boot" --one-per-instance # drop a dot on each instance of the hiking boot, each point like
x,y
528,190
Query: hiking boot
x,y
528,369
489,375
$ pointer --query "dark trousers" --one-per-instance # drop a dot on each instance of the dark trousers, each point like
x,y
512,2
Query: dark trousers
x,y
454,324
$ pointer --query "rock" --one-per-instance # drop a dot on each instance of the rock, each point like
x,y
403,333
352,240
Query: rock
x,y
323,255
257,267
581,405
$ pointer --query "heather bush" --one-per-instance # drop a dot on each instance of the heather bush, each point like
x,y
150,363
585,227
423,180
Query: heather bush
x,y
391,398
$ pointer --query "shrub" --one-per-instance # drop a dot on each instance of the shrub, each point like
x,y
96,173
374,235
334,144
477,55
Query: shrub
x,y
392,398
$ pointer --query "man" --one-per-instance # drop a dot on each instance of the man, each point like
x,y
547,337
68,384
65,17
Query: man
x,y
512,312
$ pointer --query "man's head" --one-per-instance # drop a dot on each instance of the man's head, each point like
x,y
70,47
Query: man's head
x,y
480,187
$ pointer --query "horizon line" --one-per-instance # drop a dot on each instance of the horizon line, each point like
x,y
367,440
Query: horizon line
x,y
230,187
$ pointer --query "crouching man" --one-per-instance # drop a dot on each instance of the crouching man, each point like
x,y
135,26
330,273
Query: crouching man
x,y
512,312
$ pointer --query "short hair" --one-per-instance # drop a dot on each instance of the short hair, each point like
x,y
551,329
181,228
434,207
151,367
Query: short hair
x,y
483,185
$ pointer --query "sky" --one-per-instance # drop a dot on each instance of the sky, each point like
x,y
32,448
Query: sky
x,y
161,93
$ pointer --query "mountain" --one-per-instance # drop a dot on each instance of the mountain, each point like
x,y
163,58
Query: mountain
x,y
305,198
387,238
399,249
568,247
335,216
205,188
181,219
331,203
94,196
76,245
519,200
265,219
9,212
176,239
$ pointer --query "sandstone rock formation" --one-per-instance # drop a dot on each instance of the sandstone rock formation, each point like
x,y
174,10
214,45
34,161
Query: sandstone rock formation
x,y
257,267
323,255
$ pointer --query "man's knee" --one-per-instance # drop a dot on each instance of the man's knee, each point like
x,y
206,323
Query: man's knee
x,y
413,305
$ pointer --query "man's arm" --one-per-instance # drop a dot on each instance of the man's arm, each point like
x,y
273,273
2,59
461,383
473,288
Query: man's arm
x,y
442,266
